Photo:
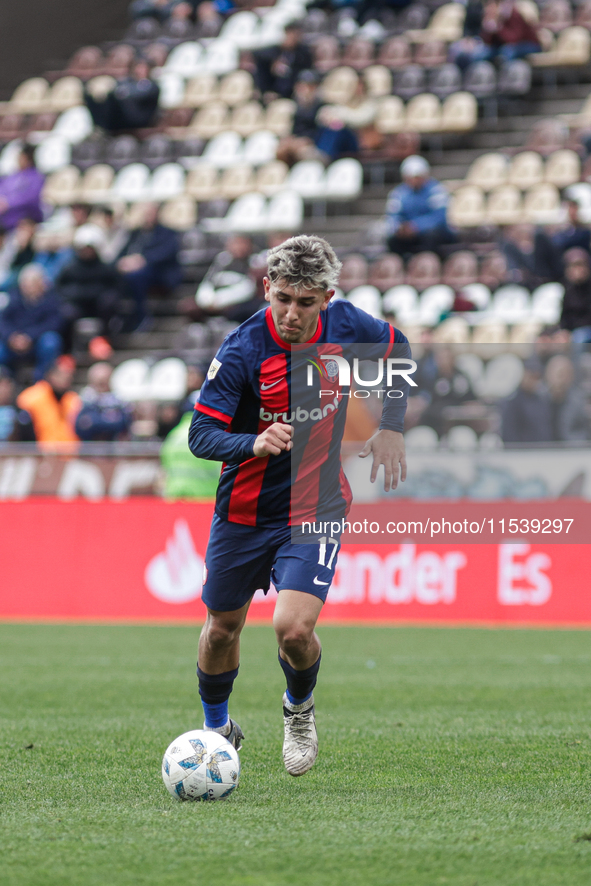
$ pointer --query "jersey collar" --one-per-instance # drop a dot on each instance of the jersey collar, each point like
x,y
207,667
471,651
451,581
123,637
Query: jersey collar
x,y
277,338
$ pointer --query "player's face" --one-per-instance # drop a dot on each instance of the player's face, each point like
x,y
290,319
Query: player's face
x,y
295,314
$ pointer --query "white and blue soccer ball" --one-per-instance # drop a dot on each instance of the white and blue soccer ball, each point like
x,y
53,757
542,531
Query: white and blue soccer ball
x,y
200,765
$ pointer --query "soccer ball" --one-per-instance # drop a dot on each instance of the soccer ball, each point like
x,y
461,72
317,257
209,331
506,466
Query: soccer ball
x,y
201,765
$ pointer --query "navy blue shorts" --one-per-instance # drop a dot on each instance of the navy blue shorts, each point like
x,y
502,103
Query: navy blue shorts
x,y
241,559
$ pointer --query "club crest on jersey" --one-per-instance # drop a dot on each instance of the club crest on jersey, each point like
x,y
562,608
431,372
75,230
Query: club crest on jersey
x,y
213,368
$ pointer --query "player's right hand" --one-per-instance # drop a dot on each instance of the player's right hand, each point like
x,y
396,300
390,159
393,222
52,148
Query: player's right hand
x,y
274,440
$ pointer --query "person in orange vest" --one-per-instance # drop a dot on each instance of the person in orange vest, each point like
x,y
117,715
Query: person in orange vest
x,y
53,406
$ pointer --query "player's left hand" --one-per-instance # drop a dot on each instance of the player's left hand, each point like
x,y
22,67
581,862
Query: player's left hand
x,y
388,450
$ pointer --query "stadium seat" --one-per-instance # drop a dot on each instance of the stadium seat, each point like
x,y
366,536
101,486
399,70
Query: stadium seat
x,y
180,213
53,153
223,150
472,365
423,270
430,54
248,118
96,184
210,120
119,60
480,79
504,205
435,301
167,181
459,112
386,272
172,90
462,438
583,14
402,301
541,205
460,270
29,98
514,78
74,125
62,186
221,57
488,171
12,126
489,332
246,215
391,115
285,212
308,179
478,294
67,92
279,116
99,87
502,376
236,88
184,60
572,47
326,52
467,207
86,62
201,90
353,273
260,148
131,183
368,299
444,80
271,177
511,304
129,380
237,180
377,80
358,53
203,183
556,16
395,53
240,29
156,150
563,168
168,380
526,169
344,179
121,151
338,87
410,81
422,438
581,193
423,114
445,24
546,303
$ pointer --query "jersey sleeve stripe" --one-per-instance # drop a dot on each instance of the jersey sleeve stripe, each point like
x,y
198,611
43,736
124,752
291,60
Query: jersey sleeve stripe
x,y
391,342
214,413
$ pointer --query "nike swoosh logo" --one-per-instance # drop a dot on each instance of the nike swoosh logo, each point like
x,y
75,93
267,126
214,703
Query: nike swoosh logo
x,y
265,387
317,582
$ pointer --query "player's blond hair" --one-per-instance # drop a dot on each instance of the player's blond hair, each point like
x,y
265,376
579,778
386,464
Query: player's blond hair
x,y
304,262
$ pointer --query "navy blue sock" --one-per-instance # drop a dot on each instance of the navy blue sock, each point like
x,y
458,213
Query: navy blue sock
x,y
299,683
215,690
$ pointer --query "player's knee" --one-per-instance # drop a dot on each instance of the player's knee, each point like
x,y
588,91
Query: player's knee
x,y
293,638
222,633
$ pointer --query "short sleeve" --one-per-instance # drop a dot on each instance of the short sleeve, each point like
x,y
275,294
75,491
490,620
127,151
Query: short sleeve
x,y
226,380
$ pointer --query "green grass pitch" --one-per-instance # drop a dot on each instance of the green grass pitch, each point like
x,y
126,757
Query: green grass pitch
x,y
458,757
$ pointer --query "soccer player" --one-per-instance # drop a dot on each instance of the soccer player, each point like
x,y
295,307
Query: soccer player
x,y
244,418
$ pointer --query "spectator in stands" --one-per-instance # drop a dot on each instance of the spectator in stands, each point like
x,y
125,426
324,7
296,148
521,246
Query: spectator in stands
x,y
416,211
79,214
132,104
31,323
150,258
87,286
52,406
195,379
301,144
103,416
526,414
278,67
505,34
53,249
8,411
18,250
20,192
161,10
531,258
568,408
574,234
440,384
576,305
115,234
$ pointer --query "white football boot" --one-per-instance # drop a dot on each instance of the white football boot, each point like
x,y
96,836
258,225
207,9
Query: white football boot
x,y
300,745
231,731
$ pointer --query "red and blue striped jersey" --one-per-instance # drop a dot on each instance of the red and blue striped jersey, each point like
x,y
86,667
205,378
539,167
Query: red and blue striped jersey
x,y
248,387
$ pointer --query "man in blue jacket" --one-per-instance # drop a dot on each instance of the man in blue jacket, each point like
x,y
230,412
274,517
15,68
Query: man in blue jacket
x,y
150,258
416,211
31,323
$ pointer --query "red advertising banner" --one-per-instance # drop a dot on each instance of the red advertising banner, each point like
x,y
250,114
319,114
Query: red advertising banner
x,y
142,560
